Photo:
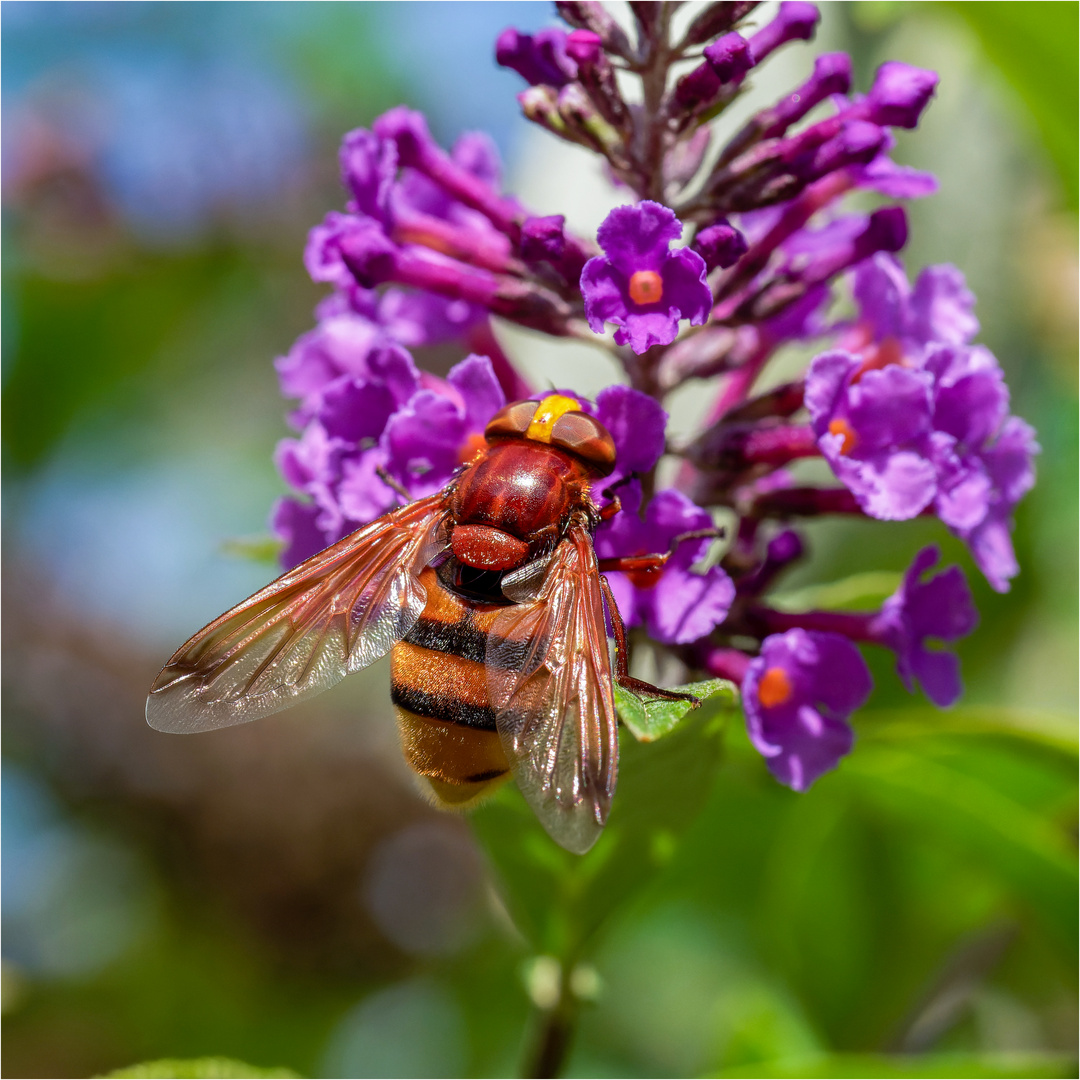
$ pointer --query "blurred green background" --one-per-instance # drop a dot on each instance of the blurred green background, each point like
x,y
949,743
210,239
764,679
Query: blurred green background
x,y
279,894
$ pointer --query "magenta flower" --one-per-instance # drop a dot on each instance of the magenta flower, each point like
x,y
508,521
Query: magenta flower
x,y
875,432
938,309
798,695
641,285
986,459
637,424
956,449
939,609
294,522
418,428
675,605
442,427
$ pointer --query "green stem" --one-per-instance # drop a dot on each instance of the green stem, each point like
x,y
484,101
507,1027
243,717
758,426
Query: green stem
x,y
556,1034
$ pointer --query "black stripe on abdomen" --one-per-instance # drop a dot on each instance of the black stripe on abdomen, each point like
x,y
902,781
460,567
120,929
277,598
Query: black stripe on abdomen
x,y
442,707
459,638
464,639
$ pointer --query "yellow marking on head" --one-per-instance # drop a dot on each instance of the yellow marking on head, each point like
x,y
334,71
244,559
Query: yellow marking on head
x,y
547,413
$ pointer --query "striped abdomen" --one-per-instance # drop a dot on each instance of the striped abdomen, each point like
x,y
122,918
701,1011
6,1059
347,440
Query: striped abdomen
x,y
439,690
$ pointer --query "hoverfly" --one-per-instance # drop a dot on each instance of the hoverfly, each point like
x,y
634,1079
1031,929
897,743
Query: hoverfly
x,y
489,597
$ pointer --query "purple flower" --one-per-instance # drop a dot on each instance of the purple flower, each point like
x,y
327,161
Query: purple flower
x,y
981,457
313,464
939,609
939,309
417,428
676,605
294,522
339,345
894,181
442,427
875,432
798,695
1009,468
817,255
640,285
421,318
637,425
985,460
540,58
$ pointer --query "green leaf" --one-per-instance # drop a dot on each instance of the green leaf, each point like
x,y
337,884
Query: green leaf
x,y
912,1065
198,1068
986,804
649,719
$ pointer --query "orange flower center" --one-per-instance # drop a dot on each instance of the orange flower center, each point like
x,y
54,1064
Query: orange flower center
x,y
842,427
646,287
875,357
774,687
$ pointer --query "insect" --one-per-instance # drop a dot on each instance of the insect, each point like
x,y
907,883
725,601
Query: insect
x,y
490,599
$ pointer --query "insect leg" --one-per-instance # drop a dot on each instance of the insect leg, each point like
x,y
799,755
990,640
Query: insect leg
x,y
614,506
656,560
622,656
390,482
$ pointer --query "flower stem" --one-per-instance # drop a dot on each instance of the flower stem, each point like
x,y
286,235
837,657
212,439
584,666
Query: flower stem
x,y
552,1047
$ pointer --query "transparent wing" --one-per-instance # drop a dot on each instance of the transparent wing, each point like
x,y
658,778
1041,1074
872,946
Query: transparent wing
x,y
335,613
549,679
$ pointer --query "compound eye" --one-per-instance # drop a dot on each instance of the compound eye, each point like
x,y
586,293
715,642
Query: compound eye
x,y
512,421
585,436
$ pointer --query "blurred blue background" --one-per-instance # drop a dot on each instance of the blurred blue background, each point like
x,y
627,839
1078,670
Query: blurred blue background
x,y
280,894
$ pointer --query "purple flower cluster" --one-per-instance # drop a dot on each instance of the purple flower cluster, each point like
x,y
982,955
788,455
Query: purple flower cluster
x,y
917,419
718,258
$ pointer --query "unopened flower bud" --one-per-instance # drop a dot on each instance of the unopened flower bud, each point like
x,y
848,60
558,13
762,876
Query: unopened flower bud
x,y
697,89
543,238
540,59
583,117
886,231
899,94
720,245
857,143
730,57
595,73
591,15
540,104
832,75
584,47
796,21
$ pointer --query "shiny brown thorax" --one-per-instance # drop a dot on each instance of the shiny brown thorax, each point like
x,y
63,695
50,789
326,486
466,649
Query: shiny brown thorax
x,y
516,500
